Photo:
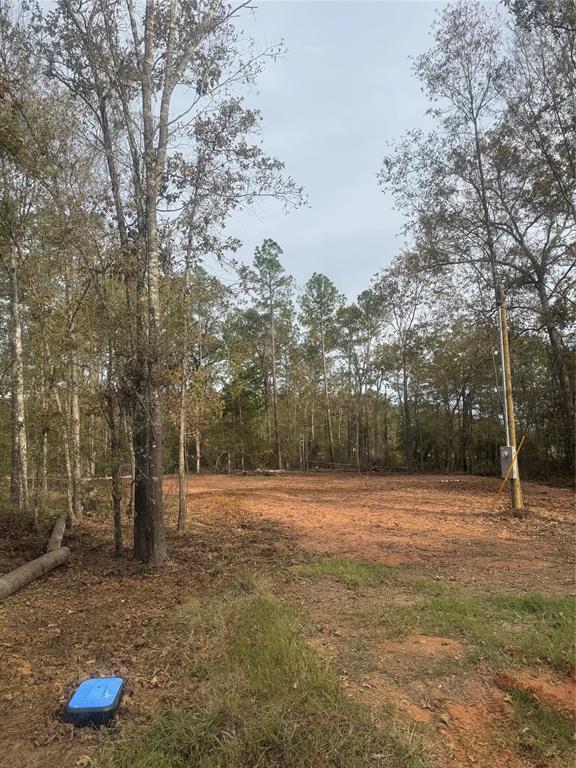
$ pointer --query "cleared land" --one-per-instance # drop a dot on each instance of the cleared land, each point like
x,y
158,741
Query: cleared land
x,y
307,620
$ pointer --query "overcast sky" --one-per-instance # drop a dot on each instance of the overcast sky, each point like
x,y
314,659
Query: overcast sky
x,y
330,105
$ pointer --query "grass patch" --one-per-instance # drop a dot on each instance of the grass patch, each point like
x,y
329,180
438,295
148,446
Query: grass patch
x,y
352,573
262,698
504,628
540,732
364,573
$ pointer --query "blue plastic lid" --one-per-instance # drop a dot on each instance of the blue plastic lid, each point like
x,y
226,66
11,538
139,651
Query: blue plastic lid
x,y
96,693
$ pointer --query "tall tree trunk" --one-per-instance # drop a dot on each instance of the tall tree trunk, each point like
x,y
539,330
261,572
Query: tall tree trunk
x,y
130,441
182,447
407,419
275,391
115,456
386,446
67,461
358,462
91,446
75,456
183,385
140,426
326,394
20,446
149,540
43,480
198,448
241,425
568,424
42,477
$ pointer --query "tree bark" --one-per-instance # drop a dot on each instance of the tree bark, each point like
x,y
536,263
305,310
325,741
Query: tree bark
x,y
75,458
326,394
182,447
115,455
183,386
560,369
407,417
22,576
130,441
274,387
67,461
55,540
149,540
198,449
20,445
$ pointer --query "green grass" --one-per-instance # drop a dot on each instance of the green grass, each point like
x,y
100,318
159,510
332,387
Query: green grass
x,y
364,573
262,697
352,573
504,628
514,629
540,732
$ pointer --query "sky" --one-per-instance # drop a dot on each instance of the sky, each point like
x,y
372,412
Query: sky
x,y
342,92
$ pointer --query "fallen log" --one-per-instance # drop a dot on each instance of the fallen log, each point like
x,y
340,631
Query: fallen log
x,y
15,580
57,534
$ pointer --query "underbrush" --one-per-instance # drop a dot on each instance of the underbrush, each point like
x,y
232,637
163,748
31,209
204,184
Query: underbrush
x,y
261,697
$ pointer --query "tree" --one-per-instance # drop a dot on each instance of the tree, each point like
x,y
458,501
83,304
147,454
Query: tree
x,y
128,83
320,303
402,290
491,189
273,291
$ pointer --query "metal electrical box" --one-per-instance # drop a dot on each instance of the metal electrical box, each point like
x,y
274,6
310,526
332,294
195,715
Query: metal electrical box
x,y
506,454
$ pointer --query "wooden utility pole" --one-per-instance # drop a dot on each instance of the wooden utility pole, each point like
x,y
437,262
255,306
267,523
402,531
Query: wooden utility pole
x,y
509,419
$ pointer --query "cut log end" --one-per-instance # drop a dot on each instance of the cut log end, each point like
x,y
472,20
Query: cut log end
x,y
55,540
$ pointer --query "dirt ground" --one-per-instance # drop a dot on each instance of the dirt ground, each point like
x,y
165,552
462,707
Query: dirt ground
x,y
100,615
438,523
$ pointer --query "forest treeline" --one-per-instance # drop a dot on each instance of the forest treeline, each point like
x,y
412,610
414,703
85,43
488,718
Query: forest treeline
x,y
127,140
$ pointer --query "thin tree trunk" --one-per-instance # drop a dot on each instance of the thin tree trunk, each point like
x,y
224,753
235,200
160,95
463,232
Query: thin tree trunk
x,y
183,385
386,446
274,390
560,369
115,457
130,441
75,460
197,445
67,461
91,447
409,453
358,463
182,448
326,394
241,424
20,445
44,461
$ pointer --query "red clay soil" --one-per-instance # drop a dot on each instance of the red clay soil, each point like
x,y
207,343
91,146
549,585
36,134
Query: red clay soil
x,y
555,691
101,615
441,523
